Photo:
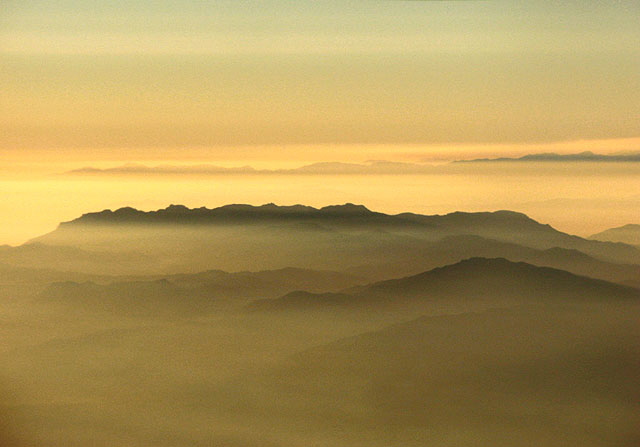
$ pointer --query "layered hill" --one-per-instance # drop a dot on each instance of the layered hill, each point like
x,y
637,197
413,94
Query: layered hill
x,y
495,281
452,249
184,294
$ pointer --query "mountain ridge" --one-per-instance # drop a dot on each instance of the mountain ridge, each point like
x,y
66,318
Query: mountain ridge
x,y
180,213
178,238
492,224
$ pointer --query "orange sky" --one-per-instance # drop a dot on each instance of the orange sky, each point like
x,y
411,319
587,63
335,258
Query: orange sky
x,y
167,77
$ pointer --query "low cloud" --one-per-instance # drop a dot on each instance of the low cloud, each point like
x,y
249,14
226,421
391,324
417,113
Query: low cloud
x,y
372,167
324,168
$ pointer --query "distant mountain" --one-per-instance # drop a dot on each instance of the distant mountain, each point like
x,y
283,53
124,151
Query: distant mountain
x,y
245,237
478,279
553,157
628,234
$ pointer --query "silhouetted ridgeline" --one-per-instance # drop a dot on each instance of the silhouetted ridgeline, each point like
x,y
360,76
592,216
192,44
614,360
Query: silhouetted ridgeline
x,y
335,215
500,225
340,237
232,214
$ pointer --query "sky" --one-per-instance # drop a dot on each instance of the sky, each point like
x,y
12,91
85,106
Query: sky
x,y
169,79
278,84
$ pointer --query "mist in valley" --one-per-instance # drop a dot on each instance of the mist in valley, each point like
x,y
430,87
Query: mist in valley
x,y
227,327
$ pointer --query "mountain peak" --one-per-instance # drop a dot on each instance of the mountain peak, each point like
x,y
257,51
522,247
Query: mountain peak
x,y
346,209
176,208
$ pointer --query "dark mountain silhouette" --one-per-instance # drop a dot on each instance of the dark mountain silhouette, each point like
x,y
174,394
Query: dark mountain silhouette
x,y
337,215
477,279
586,156
628,234
238,213
244,237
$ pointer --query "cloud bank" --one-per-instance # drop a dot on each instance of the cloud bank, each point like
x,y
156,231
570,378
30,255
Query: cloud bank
x,y
374,167
323,168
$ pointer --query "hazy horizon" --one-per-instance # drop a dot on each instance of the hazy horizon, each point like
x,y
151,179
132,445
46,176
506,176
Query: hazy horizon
x,y
579,198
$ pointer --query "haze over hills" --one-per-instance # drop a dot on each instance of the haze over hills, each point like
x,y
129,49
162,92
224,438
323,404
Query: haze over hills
x,y
424,277
244,237
452,249
328,326
487,280
482,378
190,294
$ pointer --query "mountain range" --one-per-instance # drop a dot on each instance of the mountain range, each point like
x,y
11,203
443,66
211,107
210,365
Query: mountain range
x,y
372,167
245,237
293,325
